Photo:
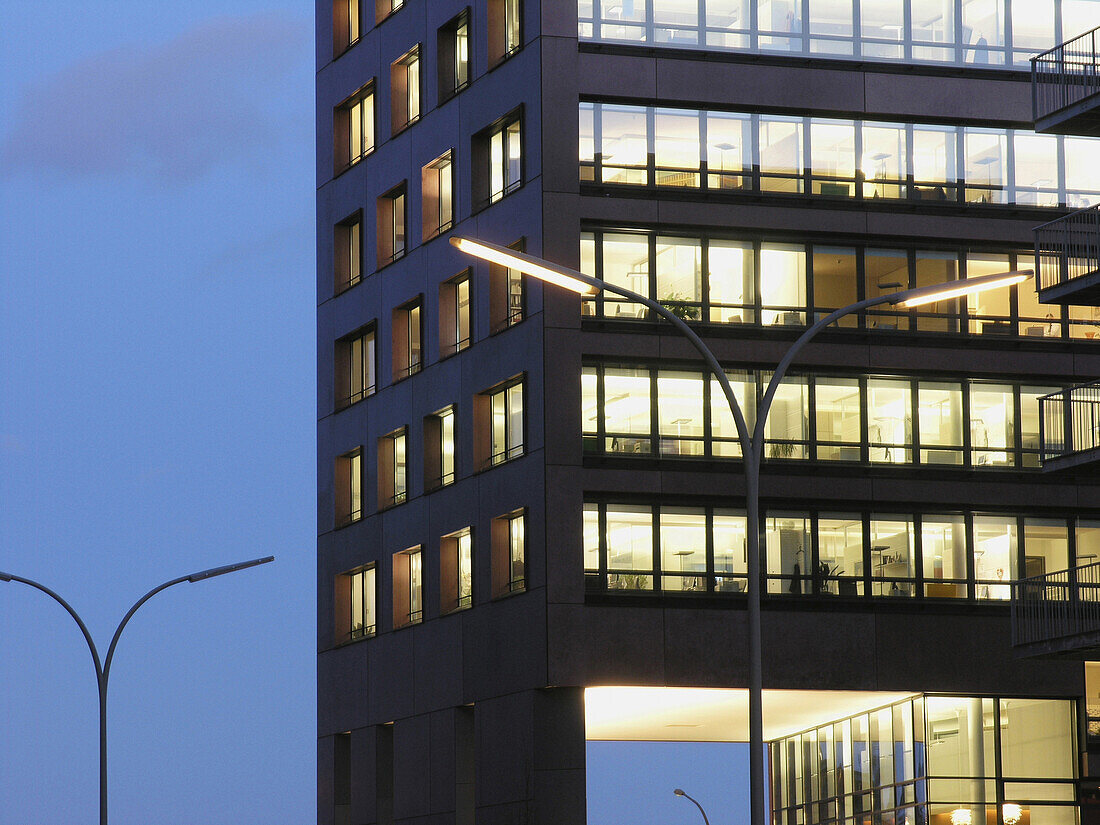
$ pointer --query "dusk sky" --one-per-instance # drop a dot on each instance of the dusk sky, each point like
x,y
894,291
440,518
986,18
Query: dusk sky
x,y
157,415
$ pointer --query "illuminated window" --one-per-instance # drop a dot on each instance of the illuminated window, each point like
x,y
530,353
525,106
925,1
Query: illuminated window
x,y
995,556
454,56
348,252
355,367
391,225
357,604
506,423
505,37
507,294
437,196
943,549
439,448
384,8
353,132
890,421
349,487
503,153
455,315
893,571
393,468
407,335
940,420
408,587
456,570
345,25
405,90
509,553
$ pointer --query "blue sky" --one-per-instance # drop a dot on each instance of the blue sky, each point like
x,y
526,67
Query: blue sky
x,y
157,418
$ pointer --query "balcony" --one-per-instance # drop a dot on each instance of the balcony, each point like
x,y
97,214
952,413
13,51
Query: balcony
x,y
1069,427
1065,87
1058,614
1067,255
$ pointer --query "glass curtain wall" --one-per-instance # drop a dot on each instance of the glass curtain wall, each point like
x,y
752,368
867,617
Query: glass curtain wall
x,y
980,33
932,760
851,159
644,410
763,283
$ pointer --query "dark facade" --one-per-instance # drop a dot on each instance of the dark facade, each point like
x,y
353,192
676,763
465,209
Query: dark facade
x,y
470,588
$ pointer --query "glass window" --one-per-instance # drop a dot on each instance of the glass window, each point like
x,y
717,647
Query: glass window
x,y
939,413
1084,322
986,166
889,421
933,21
961,728
724,438
626,410
364,604
680,412
840,553
629,547
730,282
1088,541
990,311
416,586
505,160
883,21
729,155
590,411
1036,168
680,276
994,556
835,282
892,565
783,284
781,154
886,271
787,428
934,163
676,147
400,469
683,549
831,18
517,552
983,31
1082,171
838,417
788,553
1033,25
1036,320
992,425
591,537
1029,422
625,264
833,157
730,554
938,268
676,21
1046,546
587,148
624,145
884,161
1037,738
507,423
943,550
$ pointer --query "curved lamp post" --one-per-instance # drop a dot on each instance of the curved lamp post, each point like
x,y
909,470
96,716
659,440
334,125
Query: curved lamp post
x,y
103,671
752,443
679,792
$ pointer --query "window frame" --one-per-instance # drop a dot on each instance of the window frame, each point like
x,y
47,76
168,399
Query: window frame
x,y
385,9
345,358
405,93
505,18
481,156
350,482
448,48
451,312
456,586
344,131
407,339
347,25
348,257
509,531
433,205
393,468
484,404
392,208
438,427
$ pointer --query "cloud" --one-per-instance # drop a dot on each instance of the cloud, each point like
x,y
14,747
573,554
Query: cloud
x,y
171,110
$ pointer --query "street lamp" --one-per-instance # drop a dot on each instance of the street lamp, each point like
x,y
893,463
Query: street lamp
x,y
103,671
679,792
752,444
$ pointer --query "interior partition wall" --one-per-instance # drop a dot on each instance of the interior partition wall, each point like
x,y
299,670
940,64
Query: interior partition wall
x,y
932,760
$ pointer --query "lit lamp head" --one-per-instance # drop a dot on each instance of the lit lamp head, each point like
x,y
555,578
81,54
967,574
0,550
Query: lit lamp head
x,y
528,265
1011,813
955,289
961,816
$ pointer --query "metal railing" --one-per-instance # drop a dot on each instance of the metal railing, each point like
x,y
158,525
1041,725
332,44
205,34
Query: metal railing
x,y
1069,421
1065,75
1056,606
1068,247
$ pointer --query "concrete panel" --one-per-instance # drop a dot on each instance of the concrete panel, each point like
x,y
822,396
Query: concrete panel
x,y
412,761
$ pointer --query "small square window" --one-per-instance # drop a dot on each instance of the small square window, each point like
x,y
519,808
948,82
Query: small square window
x,y
455,320
408,587
454,56
349,487
393,469
439,449
384,8
500,424
355,367
353,129
391,225
407,335
509,554
456,570
345,25
348,252
405,90
505,30
437,196
356,604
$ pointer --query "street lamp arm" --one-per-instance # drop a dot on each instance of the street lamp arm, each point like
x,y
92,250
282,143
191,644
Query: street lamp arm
x,y
679,792
126,620
68,608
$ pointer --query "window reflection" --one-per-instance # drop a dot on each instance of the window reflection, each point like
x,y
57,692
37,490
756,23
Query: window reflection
x,y
683,549
626,410
676,147
680,276
782,284
629,539
730,279
835,281
725,441
938,268
886,271
990,311
786,431
729,150
730,561
680,412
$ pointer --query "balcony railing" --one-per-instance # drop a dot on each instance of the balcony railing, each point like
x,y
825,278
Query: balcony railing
x,y
1066,75
1059,610
1069,422
1067,250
